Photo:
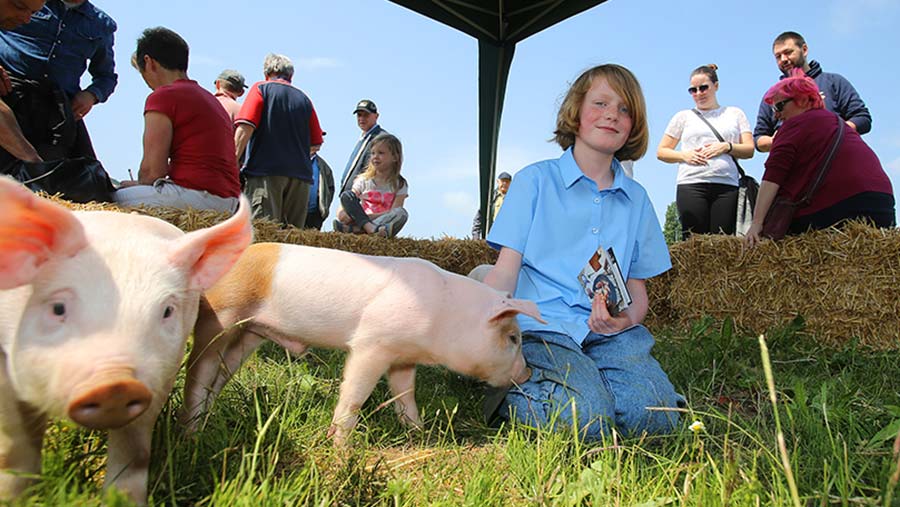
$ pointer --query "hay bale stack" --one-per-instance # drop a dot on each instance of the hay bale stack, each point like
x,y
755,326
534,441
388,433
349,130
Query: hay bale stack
x,y
455,255
843,282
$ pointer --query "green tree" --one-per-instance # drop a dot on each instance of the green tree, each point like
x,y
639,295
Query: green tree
x,y
672,228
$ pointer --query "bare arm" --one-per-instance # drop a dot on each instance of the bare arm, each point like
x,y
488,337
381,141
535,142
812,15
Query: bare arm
x,y
764,143
12,139
666,152
764,199
242,135
505,274
744,149
158,133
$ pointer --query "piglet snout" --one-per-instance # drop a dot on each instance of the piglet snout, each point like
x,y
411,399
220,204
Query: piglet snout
x,y
110,401
523,376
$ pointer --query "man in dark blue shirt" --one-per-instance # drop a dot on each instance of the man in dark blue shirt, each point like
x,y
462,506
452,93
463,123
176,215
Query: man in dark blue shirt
x,y
840,97
56,46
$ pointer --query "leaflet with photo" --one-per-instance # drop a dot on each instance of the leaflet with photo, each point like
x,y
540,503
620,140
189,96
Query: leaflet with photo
x,y
602,275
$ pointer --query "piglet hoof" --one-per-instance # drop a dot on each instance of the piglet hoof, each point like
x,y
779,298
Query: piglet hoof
x,y
412,423
110,405
189,424
338,436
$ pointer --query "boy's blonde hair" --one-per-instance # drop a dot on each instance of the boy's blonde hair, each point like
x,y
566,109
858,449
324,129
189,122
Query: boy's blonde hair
x,y
623,82
396,149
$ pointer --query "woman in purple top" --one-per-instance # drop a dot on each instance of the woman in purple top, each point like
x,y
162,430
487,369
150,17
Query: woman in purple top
x,y
855,185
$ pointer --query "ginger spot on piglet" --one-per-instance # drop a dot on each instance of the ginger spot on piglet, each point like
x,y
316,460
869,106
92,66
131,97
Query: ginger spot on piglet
x,y
249,281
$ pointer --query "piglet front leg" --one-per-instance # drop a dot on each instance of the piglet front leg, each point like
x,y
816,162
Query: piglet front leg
x,y
128,459
362,370
21,436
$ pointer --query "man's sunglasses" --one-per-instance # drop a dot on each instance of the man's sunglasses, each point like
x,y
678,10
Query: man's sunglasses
x,y
779,106
694,89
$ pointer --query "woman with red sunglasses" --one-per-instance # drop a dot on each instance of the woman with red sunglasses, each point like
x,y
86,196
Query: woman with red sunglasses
x,y
708,174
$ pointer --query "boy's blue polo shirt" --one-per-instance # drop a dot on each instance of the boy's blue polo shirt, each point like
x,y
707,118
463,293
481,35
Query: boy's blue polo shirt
x,y
556,218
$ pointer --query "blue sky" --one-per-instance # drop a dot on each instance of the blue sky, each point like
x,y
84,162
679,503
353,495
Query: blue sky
x,y
423,76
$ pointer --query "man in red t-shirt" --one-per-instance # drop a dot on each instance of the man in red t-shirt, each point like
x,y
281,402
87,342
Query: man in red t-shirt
x,y
189,159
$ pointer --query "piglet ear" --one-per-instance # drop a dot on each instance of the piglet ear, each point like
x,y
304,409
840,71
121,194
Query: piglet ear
x,y
209,253
32,231
509,307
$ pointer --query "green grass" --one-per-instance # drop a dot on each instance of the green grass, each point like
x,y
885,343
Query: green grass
x,y
265,441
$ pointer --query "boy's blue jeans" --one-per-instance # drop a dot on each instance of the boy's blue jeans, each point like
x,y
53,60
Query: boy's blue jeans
x,y
608,381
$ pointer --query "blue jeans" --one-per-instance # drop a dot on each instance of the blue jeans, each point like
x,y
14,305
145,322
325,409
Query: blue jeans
x,y
609,381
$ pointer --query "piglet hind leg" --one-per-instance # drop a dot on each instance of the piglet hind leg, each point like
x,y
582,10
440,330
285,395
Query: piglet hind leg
x,y
362,370
402,381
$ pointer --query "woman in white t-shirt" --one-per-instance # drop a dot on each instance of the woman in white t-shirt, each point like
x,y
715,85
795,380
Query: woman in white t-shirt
x,y
374,205
707,191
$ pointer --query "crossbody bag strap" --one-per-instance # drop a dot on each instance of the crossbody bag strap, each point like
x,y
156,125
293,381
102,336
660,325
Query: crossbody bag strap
x,y
826,165
720,138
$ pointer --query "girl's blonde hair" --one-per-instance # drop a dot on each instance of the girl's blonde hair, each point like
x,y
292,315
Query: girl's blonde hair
x,y
623,82
396,149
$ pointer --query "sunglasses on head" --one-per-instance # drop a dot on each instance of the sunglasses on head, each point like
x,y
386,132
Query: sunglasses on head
x,y
694,89
779,106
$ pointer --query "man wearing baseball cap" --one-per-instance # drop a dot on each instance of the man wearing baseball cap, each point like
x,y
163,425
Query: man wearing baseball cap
x,y
229,86
367,119
503,181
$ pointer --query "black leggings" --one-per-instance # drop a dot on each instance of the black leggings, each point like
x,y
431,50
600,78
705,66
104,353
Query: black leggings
x,y
353,207
705,208
876,208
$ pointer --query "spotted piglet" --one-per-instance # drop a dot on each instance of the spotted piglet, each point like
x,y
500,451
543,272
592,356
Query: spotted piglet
x,y
388,313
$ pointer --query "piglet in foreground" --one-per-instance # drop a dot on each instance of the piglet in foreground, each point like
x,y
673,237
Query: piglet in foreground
x,y
388,313
95,309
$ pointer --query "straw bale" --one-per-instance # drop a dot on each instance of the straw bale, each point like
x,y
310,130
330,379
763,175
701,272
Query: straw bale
x,y
455,255
843,282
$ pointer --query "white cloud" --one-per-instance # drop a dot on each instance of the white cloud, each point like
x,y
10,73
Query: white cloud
x,y
894,165
460,202
317,63
850,18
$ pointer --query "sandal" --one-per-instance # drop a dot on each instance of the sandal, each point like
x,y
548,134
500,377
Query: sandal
x,y
339,226
385,230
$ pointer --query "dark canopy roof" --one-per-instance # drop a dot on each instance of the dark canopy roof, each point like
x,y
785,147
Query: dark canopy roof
x,y
498,25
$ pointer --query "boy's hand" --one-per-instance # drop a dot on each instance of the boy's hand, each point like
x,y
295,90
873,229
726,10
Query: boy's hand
x,y
602,322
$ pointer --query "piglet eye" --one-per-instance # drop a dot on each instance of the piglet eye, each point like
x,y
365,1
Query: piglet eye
x,y
514,339
59,309
168,312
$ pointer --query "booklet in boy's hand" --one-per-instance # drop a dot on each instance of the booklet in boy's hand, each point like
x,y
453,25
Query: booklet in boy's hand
x,y
603,275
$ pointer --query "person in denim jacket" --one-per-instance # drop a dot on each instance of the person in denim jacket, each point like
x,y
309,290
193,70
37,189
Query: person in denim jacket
x,y
586,362
62,40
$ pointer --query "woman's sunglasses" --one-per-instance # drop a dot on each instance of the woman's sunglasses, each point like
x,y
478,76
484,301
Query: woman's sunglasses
x,y
694,89
779,106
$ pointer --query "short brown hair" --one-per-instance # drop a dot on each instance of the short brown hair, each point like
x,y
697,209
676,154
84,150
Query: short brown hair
x,y
623,82
786,36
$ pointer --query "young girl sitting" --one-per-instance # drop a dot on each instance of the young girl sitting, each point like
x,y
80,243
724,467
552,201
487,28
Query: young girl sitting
x,y
375,203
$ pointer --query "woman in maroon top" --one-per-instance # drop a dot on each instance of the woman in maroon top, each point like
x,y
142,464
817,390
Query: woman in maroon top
x,y
855,186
